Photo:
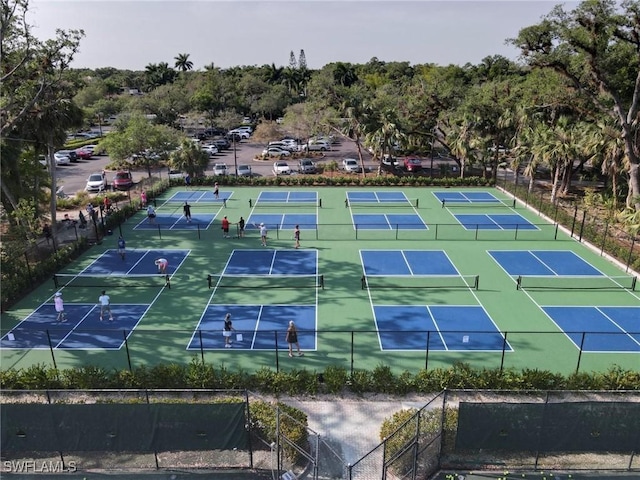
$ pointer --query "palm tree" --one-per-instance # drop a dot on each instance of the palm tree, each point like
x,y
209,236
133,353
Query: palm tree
x,y
182,62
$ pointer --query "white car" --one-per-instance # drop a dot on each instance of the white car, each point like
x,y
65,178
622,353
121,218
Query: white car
x,y
220,169
350,165
318,146
241,134
97,182
244,170
175,174
61,158
281,168
281,145
275,152
210,149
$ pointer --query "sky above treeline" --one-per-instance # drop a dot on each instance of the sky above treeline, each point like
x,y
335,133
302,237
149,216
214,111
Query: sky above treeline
x,y
132,34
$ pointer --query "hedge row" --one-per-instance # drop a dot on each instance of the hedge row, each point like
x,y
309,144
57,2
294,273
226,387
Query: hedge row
x,y
333,380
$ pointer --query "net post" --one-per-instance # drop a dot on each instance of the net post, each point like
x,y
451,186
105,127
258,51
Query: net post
x,y
417,203
363,283
346,203
476,282
397,229
167,281
443,203
519,282
555,236
633,283
515,236
250,203
209,280
477,228
320,202
514,203
321,281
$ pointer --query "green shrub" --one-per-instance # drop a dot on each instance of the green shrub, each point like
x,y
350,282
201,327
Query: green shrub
x,y
335,378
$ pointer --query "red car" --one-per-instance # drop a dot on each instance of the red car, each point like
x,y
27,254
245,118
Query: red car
x,y
412,164
83,153
122,180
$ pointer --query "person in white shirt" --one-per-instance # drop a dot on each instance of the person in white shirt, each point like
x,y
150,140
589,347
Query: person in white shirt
x,y
105,305
263,234
151,214
59,306
162,264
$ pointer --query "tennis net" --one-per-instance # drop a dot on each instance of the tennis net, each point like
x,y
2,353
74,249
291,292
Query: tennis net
x,y
576,282
119,281
286,201
406,202
452,202
420,281
265,281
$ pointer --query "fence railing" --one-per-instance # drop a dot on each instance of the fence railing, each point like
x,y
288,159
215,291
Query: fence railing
x,y
351,349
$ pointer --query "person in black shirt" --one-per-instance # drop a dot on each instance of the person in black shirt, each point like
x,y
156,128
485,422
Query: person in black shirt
x,y
187,211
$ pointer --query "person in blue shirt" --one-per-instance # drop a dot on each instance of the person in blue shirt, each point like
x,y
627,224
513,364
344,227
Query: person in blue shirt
x,y
122,245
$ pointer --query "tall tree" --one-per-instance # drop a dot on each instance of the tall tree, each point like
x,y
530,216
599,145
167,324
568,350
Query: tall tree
x,y
302,60
293,64
597,48
182,62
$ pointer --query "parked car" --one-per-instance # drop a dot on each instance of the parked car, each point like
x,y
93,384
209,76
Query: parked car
x,y
275,152
61,158
221,143
350,165
238,135
73,156
210,149
84,154
283,145
175,175
244,170
220,169
281,168
97,182
122,180
412,164
307,166
390,163
316,146
95,149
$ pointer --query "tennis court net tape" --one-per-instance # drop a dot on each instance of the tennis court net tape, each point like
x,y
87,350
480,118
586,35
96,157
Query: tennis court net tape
x,y
575,282
123,281
265,281
284,204
478,203
420,281
410,203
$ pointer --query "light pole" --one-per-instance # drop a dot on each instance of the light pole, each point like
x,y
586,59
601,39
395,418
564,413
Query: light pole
x,y
235,156
100,122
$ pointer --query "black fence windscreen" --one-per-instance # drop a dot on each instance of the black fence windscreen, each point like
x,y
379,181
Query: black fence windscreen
x,y
550,427
123,427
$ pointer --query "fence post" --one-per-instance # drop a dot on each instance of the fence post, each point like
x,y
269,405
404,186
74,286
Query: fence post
x,y
53,357
580,351
126,346
584,217
633,242
504,348
575,216
352,353
201,346
275,338
426,357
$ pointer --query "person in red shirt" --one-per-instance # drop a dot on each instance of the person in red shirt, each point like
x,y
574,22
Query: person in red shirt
x,y
225,227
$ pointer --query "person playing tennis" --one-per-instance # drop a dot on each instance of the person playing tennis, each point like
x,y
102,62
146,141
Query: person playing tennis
x,y
241,228
162,264
122,245
296,236
263,233
187,211
59,306
105,305
227,331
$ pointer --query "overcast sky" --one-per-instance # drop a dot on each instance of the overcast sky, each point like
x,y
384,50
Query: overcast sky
x,y
132,34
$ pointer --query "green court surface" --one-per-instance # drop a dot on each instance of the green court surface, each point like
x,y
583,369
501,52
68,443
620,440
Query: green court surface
x,y
422,261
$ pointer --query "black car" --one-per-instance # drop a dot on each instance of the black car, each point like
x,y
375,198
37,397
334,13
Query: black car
x,y
210,132
221,143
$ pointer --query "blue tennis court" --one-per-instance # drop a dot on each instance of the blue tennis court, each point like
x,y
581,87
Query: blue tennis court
x,y
542,262
609,329
262,327
83,329
388,221
272,262
286,221
466,197
177,221
441,327
406,262
494,221
136,262
199,196
285,197
378,197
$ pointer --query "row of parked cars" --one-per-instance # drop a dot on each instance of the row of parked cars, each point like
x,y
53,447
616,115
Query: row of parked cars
x,y
97,182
